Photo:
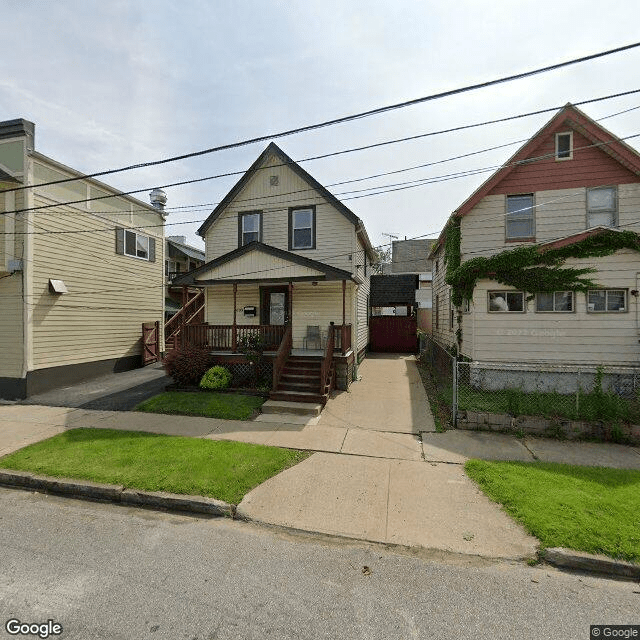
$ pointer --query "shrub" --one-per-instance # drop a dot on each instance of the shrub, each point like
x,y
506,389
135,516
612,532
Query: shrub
x,y
216,378
187,364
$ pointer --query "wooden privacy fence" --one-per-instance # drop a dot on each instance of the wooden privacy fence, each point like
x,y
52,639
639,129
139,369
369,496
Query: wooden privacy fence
x,y
150,342
393,334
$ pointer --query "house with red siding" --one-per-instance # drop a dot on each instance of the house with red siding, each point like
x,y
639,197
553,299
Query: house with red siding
x,y
568,199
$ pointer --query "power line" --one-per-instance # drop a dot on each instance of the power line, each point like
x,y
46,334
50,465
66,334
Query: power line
x,y
375,190
327,155
356,116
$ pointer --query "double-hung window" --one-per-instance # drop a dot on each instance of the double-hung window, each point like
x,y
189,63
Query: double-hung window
x,y
520,220
607,301
249,227
302,228
506,301
557,301
602,207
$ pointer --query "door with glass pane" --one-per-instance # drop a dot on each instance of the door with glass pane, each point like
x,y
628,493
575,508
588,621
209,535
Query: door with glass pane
x,y
274,309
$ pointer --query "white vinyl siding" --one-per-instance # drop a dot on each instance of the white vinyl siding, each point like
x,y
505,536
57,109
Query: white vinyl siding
x,y
312,305
109,295
335,235
558,213
580,337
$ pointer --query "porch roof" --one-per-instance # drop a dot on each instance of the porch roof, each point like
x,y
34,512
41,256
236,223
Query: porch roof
x,y
259,262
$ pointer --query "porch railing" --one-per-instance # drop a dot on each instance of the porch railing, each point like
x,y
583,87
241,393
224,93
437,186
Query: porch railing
x,y
325,367
284,351
226,337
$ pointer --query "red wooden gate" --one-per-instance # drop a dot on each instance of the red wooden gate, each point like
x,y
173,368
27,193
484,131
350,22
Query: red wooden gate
x,y
393,334
150,342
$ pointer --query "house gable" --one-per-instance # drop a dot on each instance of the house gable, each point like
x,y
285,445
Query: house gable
x,y
273,189
256,262
612,162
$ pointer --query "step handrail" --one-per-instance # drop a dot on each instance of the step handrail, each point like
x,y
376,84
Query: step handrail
x,y
325,368
282,355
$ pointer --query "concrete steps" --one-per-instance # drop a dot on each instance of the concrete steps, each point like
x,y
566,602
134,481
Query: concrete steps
x,y
296,408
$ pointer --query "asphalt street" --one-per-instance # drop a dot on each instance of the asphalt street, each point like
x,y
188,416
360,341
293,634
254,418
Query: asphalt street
x,y
106,571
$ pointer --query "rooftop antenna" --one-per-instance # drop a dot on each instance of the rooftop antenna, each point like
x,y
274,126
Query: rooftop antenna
x,y
390,235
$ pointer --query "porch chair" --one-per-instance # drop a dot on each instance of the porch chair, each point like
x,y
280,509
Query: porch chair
x,y
312,340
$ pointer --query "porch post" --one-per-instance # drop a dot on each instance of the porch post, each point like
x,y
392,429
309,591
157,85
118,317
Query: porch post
x,y
344,317
291,302
234,331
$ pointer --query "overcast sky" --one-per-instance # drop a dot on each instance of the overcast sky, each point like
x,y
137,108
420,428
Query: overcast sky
x,y
114,83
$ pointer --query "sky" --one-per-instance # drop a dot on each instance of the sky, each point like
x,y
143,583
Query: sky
x,y
110,84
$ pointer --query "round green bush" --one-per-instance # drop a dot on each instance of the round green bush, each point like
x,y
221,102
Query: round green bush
x,y
216,378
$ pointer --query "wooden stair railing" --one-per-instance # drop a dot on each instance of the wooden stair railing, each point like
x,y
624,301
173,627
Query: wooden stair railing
x,y
186,315
284,351
327,362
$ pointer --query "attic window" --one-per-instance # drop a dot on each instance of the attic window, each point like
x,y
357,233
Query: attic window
x,y
274,181
564,146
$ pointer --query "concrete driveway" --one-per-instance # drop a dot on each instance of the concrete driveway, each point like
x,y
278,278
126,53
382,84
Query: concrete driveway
x,y
389,396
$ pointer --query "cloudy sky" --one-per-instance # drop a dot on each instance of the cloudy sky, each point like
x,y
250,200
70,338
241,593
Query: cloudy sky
x,y
110,84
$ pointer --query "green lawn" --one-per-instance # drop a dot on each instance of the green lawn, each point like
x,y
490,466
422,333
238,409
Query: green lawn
x,y
220,469
589,509
230,406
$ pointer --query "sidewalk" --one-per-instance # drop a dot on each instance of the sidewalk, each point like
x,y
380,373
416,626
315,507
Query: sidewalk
x,y
396,488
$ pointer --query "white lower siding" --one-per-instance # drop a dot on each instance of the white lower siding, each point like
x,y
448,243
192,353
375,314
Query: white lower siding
x,y
566,338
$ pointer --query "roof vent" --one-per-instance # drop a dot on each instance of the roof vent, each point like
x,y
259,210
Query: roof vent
x,y
158,198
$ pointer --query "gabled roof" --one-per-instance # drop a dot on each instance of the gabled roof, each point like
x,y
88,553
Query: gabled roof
x,y
321,271
274,149
185,249
575,119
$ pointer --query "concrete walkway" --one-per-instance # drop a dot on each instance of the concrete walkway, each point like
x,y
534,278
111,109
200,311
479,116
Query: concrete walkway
x,y
389,397
379,473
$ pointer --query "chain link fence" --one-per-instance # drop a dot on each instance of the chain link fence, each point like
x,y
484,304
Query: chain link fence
x,y
589,393
569,392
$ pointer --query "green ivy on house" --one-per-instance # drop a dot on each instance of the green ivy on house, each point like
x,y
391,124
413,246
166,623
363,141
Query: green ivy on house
x,y
533,268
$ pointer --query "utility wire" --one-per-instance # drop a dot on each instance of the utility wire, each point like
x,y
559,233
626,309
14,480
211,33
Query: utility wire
x,y
327,155
375,190
360,115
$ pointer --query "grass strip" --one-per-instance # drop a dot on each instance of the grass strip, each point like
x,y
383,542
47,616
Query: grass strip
x,y
590,509
219,469
228,406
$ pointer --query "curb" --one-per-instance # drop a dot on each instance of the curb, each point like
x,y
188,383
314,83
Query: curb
x,y
87,490
576,560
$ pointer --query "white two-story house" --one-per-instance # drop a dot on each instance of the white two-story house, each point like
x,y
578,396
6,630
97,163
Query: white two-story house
x,y
568,199
286,260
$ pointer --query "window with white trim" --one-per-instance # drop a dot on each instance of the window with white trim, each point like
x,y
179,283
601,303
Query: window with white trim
x,y
564,146
249,227
505,301
607,301
519,220
554,301
602,207
136,245
302,228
